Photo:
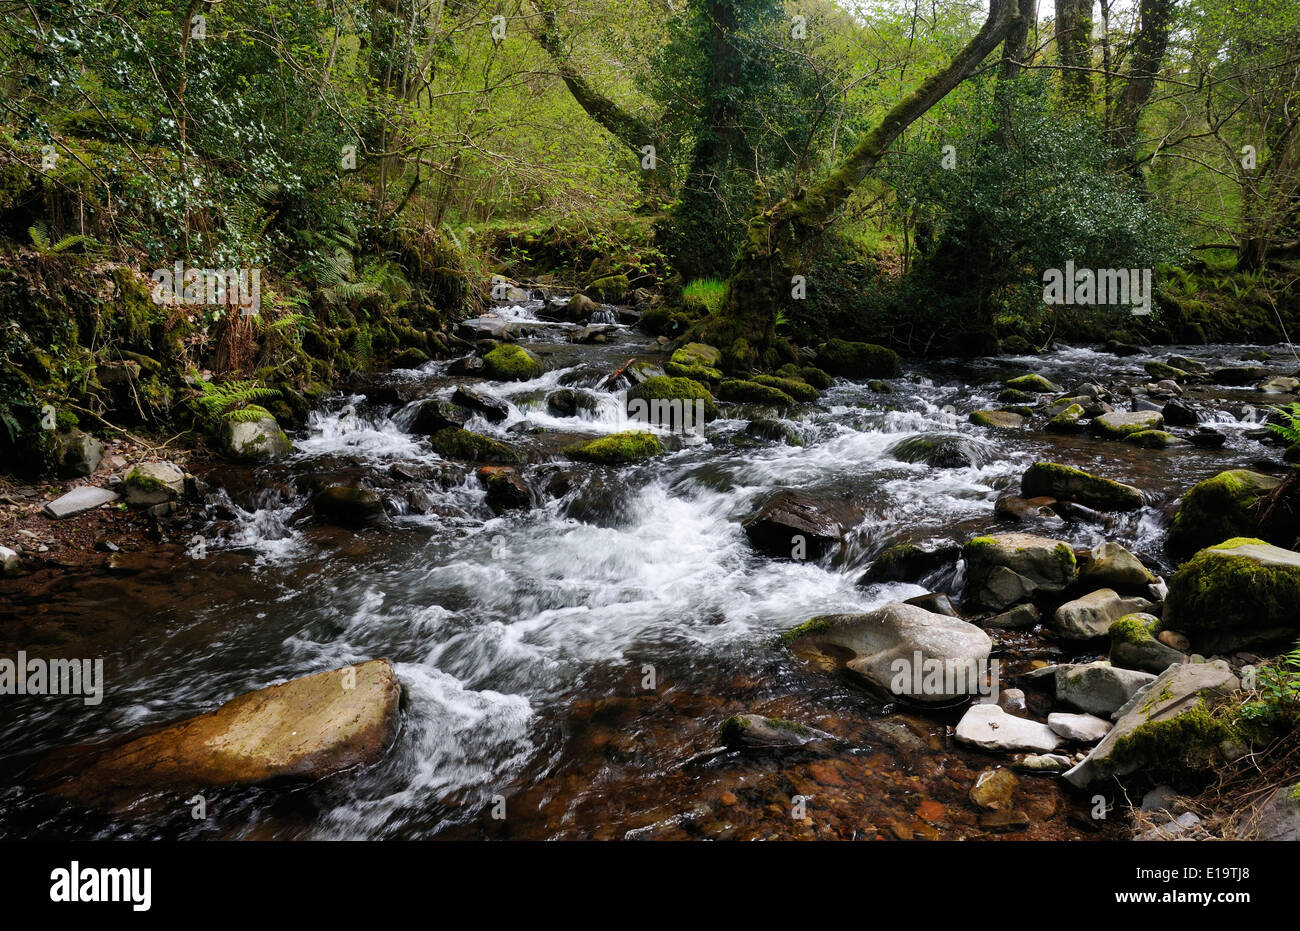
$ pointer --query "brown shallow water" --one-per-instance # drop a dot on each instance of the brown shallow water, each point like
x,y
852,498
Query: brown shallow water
x,y
525,642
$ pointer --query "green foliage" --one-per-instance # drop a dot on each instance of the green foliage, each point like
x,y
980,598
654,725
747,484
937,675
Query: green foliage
x,y
1277,692
1289,428
231,400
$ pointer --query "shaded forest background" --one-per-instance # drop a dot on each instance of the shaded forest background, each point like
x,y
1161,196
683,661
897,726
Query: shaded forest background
x,y
919,165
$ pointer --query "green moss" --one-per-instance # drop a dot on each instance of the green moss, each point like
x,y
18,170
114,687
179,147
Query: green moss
x,y
1016,396
1191,739
455,443
511,363
1224,506
1000,419
858,360
700,373
1034,383
1154,439
618,448
146,483
794,727
807,373
697,354
610,290
795,388
815,626
1054,480
1135,629
1066,559
735,389
1160,370
667,388
1219,590
976,543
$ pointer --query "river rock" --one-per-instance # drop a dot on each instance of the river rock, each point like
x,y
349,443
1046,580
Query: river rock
x,y
991,728
1084,728
1112,566
1279,384
757,731
347,504
1003,420
1277,818
77,501
857,360
943,450
1025,615
1091,616
304,729
1071,484
882,647
259,440
1067,421
1119,424
1218,509
433,415
511,363
993,789
151,483
1207,438
1099,687
935,603
1140,737
791,524
908,562
569,402
1007,568
80,454
1179,413
1134,645
1243,591
491,409
1034,383
506,488
10,561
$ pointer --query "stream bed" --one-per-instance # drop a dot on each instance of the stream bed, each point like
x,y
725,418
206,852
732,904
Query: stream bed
x,y
570,665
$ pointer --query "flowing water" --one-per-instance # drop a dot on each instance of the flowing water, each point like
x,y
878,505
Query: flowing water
x,y
571,664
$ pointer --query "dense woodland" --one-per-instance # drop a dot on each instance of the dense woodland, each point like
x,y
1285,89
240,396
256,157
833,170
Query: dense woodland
x,y
916,165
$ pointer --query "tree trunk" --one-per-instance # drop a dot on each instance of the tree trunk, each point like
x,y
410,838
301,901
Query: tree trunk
x,y
1146,53
762,276
1074,49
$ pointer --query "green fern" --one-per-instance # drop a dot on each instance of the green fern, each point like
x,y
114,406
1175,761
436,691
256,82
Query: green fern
x,y
40,236
1289,429
232,400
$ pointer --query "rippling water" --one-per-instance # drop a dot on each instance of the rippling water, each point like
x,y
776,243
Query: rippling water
x,y
524,641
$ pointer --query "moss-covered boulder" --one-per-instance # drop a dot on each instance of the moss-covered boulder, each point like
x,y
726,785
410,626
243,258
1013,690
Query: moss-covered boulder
x,y
1155,439
795,387
1227,505
1091,615
609,290
455,443
1053,480
619,448
1112,566
1016,396
1169,726
1133,644
1161,370
857,360
698,354
774,431
152,483
807,373
1007,568
751,392
700,373
259,440
943,450
511,363
1034,384
668,401
1241,586
1001,420
1119,424
1067,421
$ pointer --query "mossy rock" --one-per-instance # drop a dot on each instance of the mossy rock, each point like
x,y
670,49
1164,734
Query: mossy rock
x,y
698,354
1051,479
619,448
735,389
700,373
1119,424
455,443
609,290
1002,420
795,388
668,388
1033,383
1242,583
1016,396
1161,370
858,360
1218,508
512,363
1067,421
775,431
1155,439
907,562
807,373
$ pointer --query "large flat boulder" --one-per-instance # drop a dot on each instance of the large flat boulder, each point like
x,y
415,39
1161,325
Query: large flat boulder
x,y
1007,568
1164,724
1098,688
901,648
304,729
1119,424
991,728
78,501
1238,592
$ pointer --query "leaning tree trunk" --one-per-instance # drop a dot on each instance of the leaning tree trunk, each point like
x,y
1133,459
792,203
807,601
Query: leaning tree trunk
x,y
762,276
1146,54
1074,49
